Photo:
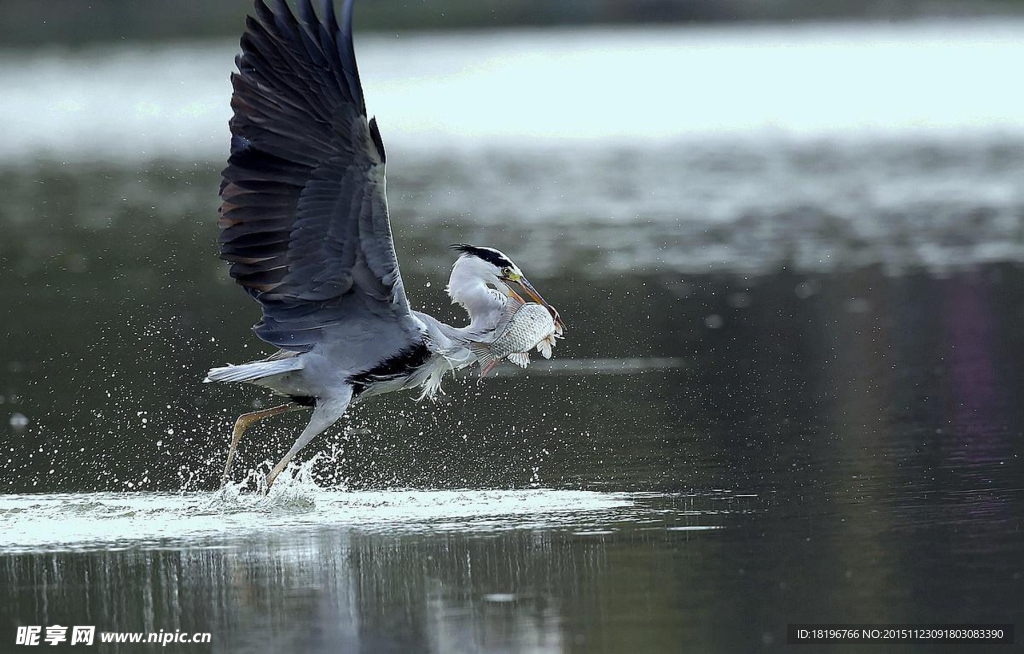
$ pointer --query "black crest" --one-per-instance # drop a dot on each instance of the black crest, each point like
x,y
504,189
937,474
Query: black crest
x,y
490,255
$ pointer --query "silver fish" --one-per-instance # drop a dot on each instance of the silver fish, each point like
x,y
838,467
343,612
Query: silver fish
x,y
524,326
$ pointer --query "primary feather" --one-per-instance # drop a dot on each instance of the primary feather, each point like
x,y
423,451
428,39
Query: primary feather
x,y
304,215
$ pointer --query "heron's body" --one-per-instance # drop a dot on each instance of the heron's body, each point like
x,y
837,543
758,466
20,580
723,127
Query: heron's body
x,y
330,368
305,226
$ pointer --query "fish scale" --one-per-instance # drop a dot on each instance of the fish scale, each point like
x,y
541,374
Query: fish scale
x,y
529,325
524,327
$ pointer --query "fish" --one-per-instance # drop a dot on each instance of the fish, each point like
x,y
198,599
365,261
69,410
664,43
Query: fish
x,y
524,326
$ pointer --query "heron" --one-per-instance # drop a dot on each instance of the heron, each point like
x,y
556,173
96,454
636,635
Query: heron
x,y
305,228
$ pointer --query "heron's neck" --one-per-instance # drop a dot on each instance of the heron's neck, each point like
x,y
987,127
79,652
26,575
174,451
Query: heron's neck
x,y
483,304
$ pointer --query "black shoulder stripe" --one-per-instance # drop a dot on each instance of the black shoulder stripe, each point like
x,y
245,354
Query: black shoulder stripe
x,y
402,364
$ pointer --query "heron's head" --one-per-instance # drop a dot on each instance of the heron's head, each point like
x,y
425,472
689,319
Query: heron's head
x,y
495,267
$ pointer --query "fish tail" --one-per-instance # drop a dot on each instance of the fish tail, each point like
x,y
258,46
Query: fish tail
x,y
484,357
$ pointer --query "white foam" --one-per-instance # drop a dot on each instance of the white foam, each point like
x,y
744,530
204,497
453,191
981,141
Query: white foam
x,y
71,521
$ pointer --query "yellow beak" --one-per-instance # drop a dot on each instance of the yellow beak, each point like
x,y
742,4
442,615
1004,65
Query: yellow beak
x,y
530,291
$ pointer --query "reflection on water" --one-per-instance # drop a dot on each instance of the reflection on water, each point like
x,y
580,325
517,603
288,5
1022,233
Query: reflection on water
x,y
343,590
789,392
750,207
853,436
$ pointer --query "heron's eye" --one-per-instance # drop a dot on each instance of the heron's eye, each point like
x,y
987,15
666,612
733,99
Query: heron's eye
x,y
506,272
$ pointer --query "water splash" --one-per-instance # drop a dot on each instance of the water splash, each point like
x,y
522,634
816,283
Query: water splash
x,y
294,490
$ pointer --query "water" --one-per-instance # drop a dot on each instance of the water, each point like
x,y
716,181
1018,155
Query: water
x,y
526,87
788,392
81,521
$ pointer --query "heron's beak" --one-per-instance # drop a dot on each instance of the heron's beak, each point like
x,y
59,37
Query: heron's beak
x,y
532,293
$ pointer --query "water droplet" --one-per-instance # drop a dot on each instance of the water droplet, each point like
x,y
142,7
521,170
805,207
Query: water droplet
x,y
714,321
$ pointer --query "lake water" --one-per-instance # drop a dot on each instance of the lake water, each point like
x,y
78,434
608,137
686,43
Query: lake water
x,y
792,273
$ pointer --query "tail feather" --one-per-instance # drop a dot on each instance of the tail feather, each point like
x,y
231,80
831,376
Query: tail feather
x,y
249,372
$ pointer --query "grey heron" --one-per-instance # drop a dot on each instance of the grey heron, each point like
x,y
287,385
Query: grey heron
x,y
304,224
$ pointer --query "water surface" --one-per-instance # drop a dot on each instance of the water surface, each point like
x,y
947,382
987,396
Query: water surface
x,y
789,390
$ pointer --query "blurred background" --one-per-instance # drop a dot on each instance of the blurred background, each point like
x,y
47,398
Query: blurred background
x,y
32,23
787,237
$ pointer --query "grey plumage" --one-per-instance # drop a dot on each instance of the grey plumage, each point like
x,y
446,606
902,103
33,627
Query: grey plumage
x,y
304,212
305,227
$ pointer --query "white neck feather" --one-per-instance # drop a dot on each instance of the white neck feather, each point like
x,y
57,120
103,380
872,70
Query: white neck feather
x,y
467,286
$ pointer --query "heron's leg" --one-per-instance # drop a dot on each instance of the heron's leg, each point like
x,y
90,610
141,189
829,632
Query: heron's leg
x,y
325,414
242,424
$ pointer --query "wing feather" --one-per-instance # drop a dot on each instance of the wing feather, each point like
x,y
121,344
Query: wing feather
x,y
304,215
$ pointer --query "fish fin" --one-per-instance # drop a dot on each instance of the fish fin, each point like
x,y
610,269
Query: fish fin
x,y
489,367
483,355
521,359
512,305
544,347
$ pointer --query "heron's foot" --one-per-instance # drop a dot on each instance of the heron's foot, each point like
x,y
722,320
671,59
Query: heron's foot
x,y
241,425
278,469
267,483
325,413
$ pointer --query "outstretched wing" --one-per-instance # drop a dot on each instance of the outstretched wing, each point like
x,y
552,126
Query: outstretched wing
x,y
304,215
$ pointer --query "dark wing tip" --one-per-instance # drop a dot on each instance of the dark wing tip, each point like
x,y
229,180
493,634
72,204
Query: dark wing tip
x,y
349,53
346,18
